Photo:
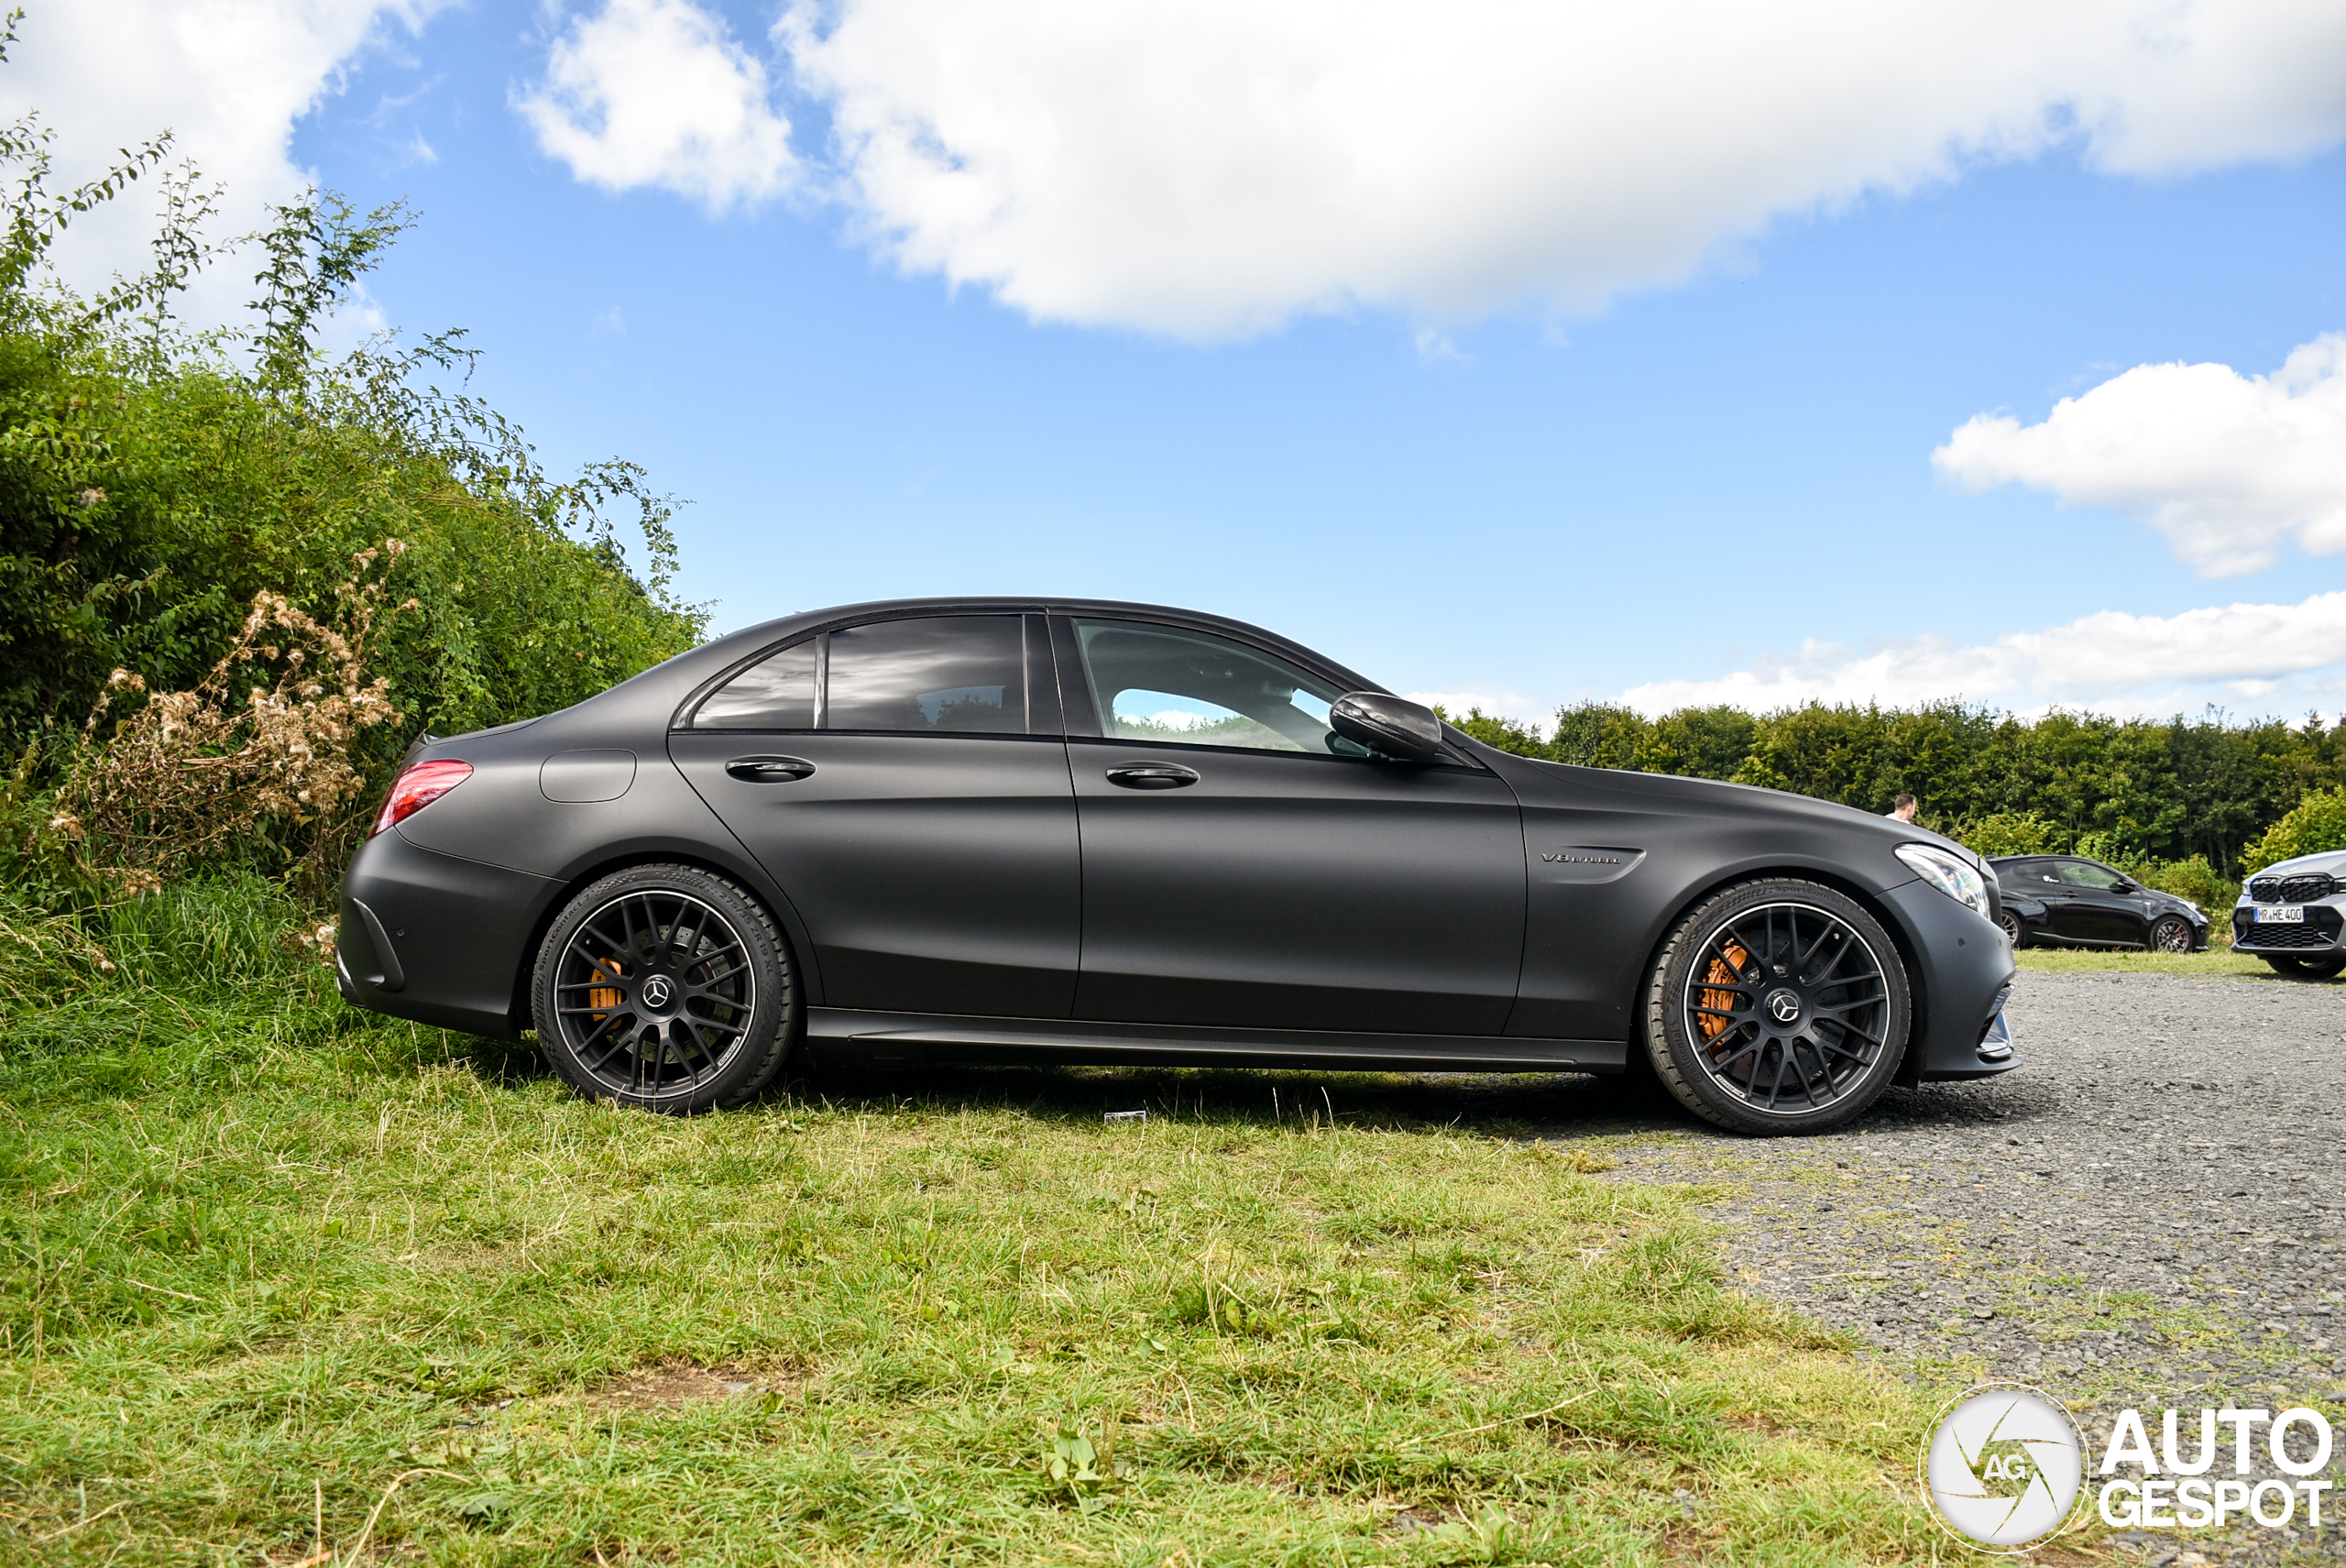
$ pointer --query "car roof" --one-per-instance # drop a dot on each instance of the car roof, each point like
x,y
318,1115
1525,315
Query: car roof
x,y
765,633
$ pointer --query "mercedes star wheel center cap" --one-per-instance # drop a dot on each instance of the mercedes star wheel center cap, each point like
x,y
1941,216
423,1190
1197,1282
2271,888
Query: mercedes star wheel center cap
x,y
656,991
1784,1006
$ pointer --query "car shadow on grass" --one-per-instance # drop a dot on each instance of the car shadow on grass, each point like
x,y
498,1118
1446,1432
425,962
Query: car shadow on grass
x,y
1492,1105
1558,1106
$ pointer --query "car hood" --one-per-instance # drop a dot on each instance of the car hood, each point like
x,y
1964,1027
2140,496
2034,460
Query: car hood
x,y
2332,862
1749,802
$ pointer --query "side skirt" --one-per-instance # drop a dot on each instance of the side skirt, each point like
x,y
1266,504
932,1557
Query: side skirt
x,y
846,1035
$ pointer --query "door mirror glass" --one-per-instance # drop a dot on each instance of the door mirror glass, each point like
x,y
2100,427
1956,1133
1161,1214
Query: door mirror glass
x,y
1390,726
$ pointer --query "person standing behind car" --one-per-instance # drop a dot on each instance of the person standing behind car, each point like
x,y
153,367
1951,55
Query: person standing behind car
x,y
1904,811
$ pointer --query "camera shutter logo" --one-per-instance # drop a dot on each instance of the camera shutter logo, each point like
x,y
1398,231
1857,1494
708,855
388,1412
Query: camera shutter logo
x,y
2003,1466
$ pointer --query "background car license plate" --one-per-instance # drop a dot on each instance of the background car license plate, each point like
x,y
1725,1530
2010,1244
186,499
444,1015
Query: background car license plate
x,y
2282,915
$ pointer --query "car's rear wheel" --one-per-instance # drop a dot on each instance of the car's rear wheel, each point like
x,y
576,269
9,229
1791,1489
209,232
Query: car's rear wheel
x,y
667,988
2307,969
2170,934
1778,1006
2011,922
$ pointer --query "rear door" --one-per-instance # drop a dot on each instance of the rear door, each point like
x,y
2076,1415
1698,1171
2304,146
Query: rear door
x,y
909,793
1243,866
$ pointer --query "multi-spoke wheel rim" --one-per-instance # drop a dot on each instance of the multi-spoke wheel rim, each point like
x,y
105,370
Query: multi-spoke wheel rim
x,y
2171,936
1788,1008
654,993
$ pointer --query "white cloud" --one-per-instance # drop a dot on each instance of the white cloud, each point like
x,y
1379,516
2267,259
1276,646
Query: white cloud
x,y
659,92
229,78
2227,467
1213,167
2239,652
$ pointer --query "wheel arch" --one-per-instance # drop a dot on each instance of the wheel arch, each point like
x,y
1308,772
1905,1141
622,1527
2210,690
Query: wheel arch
x,y
799,949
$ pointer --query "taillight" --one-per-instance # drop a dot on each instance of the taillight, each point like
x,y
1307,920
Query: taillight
x,y
417,787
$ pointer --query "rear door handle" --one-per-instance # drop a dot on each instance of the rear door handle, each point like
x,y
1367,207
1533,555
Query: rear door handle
x,y
1153,776
768,770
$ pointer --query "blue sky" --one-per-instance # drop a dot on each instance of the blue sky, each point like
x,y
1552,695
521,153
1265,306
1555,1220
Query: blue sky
x,y
1699,477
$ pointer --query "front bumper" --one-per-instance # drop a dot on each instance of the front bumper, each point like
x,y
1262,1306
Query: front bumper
x,y
1965,973
2319,936
437,938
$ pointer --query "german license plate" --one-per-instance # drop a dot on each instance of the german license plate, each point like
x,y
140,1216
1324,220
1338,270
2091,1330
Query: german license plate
x,y
2281,915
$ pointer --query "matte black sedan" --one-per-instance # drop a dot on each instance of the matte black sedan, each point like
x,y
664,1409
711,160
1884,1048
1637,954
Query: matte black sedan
x,y
2068,900
994,829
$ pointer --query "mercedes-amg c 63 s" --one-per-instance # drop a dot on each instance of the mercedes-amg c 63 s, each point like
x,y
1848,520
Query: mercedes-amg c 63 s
x,y
991,830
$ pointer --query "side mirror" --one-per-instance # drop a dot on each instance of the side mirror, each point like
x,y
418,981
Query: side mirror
x,y
2126,887
1387,726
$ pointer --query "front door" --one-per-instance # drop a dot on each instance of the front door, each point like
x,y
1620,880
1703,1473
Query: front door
x,y
1243,866
887,778
2095,910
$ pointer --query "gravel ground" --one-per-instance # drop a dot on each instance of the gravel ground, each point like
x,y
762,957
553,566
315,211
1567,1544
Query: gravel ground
x,y
2147,1213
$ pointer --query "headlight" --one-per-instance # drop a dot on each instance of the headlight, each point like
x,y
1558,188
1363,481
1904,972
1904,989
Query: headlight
x,y
1954,877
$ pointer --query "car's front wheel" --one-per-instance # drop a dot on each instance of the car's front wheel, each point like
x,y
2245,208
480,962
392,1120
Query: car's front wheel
x,y
2170,934
667,988
1777,1006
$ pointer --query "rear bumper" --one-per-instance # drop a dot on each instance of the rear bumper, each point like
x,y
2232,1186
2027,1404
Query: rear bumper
x,y
1966,972
437,938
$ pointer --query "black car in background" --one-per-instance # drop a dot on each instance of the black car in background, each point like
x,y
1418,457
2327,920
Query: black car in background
x,y
2068,900
988,829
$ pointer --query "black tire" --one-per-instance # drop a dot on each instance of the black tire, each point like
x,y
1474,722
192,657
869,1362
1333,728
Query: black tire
x,y
1715,1021
2011,922
2170,934
2307,969
668,989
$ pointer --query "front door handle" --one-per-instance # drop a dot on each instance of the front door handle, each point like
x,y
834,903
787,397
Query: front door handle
x,y
1153,776
768,770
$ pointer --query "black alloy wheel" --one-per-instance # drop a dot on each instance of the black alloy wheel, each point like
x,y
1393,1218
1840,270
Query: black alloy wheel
x,y
2307,968
1778,1006
2170,934
666,988
2011,922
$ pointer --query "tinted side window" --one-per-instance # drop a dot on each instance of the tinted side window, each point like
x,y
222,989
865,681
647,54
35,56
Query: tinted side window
x,y
1181,687
2085,874
777,693
948,673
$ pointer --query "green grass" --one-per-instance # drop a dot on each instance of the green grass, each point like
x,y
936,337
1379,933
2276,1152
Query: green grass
x,y
286,1283
2219,962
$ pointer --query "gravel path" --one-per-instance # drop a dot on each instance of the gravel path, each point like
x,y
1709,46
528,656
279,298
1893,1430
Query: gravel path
x,y
2147,1213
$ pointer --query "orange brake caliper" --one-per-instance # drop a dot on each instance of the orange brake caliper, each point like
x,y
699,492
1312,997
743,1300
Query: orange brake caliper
x,y
606,996
1720,973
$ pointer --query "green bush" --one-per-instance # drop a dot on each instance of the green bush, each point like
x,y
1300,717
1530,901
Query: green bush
x,y
156,483
2008,833
2317,824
